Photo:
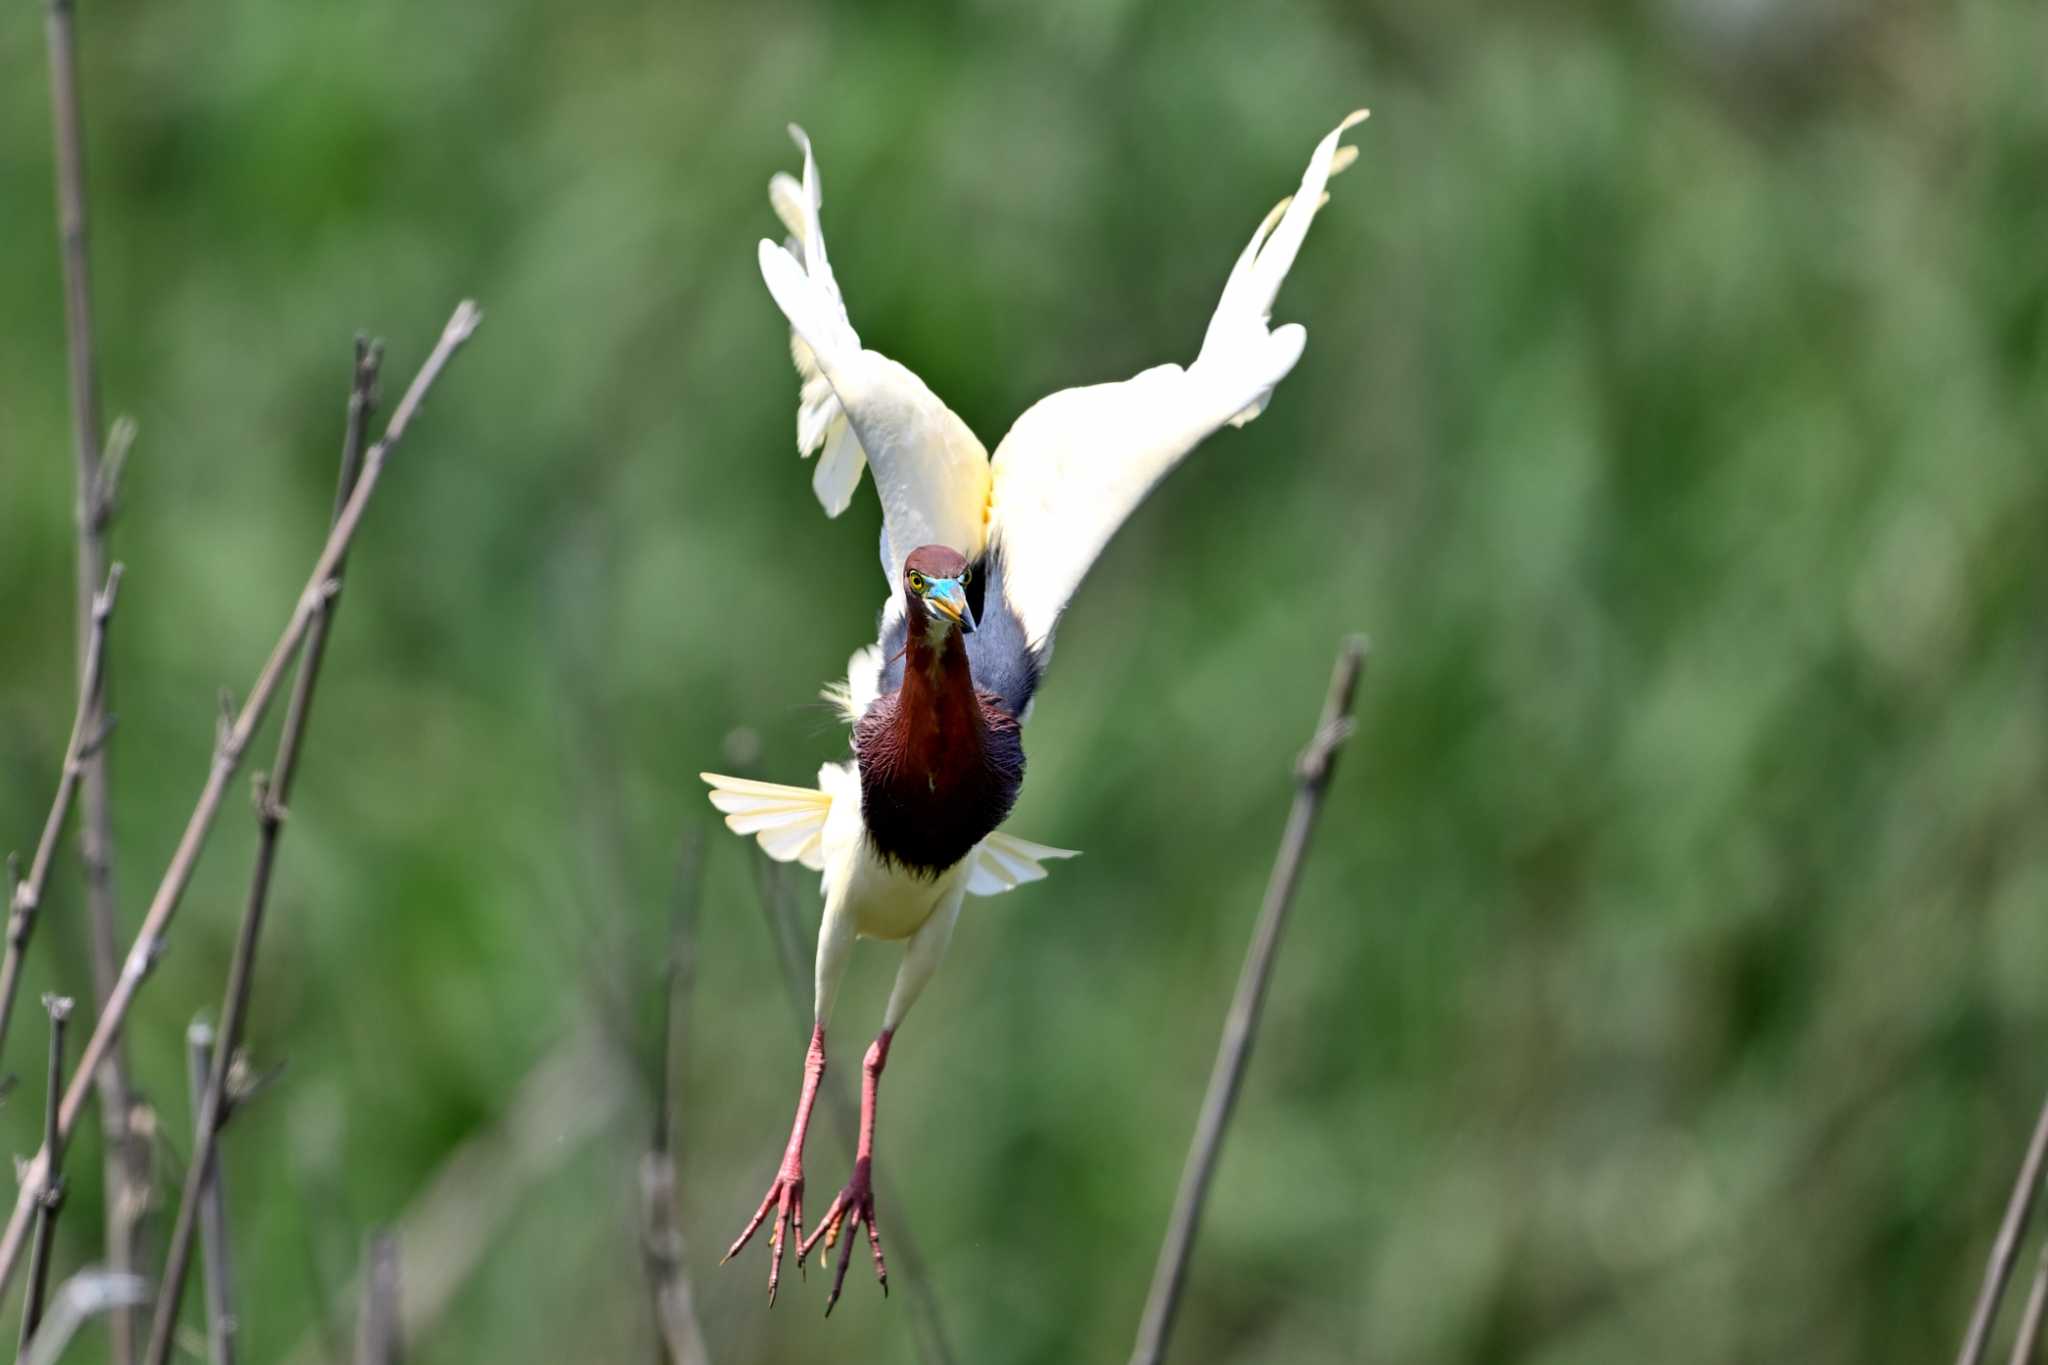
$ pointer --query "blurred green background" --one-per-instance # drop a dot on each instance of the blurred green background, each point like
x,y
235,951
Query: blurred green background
x,y
1671,979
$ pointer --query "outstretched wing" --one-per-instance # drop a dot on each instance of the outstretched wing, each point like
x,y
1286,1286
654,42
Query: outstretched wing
x,y
862,408
1078,463
821,423
1003,862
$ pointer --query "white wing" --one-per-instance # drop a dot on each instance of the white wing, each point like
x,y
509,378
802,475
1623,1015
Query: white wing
x,y
1003,862
862,407
1078,463
820,420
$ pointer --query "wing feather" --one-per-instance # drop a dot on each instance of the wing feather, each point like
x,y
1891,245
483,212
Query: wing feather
x,y
863,410
863,683
1078,463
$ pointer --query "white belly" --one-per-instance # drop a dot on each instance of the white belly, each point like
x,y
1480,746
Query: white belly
x,y
887,901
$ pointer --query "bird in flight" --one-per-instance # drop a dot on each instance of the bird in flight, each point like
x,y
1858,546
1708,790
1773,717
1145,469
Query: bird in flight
x,y
981,554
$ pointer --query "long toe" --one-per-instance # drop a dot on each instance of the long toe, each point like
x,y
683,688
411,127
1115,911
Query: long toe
x,y
753,1225
828,1230
775,1246
853,1211
875,1245
785,1203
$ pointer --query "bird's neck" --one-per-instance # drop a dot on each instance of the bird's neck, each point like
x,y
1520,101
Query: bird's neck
x,y
938,714
938,769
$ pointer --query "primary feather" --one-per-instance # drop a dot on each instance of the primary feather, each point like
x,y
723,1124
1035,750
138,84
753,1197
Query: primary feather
x,y
1076,464
930,472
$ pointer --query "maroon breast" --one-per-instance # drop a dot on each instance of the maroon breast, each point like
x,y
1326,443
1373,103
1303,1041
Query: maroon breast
x,y
940,767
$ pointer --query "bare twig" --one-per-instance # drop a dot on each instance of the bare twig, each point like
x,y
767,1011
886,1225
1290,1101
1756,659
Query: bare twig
x,y
127,1161
27,895
273,796
213,1209
2006,1248
1312,779
77,1301
227,759
378,1341
793,945
662,1248
2026,1341
50,1195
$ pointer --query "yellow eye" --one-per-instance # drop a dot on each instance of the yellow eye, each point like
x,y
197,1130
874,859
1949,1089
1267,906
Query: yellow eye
x,y
918,582
966,577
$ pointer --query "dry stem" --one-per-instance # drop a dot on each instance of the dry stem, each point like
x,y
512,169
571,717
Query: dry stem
x,y
127,1162
213,1207
49,1196
2027,1339
226,760
28,894
378,1340
272,798
1312,778
2006,1248
662,1246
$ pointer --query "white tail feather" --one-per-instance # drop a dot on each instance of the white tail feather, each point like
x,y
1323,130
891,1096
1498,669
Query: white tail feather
x,y
788,822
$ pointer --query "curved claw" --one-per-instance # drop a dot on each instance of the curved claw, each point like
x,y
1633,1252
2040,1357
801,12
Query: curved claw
x,y
853,1209
785,1198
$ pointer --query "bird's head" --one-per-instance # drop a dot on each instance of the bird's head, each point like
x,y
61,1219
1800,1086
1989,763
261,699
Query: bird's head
x,y
935,582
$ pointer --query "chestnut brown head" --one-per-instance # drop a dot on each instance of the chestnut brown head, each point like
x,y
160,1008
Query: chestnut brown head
x,y
935,579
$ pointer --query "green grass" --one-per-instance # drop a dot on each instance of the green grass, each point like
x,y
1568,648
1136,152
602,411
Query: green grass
x,y
1668,981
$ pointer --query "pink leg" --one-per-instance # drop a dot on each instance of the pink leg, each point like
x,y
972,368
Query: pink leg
x,y
786,1193
855,1205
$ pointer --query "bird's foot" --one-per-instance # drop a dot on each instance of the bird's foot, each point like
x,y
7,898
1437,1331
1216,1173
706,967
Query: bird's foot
x,y
854,1208
785,1199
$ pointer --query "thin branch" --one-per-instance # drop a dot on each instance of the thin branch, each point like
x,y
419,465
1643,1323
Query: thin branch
x,y
778,905
27,897
378,1340
662,1247
49,1196
125,1152
227,759
2006,1249
77,1301
213,1207
127,1163
272,798
2027,1340
1312,780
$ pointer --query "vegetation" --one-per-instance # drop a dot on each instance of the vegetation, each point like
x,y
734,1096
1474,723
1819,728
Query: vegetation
x,y
1667,982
